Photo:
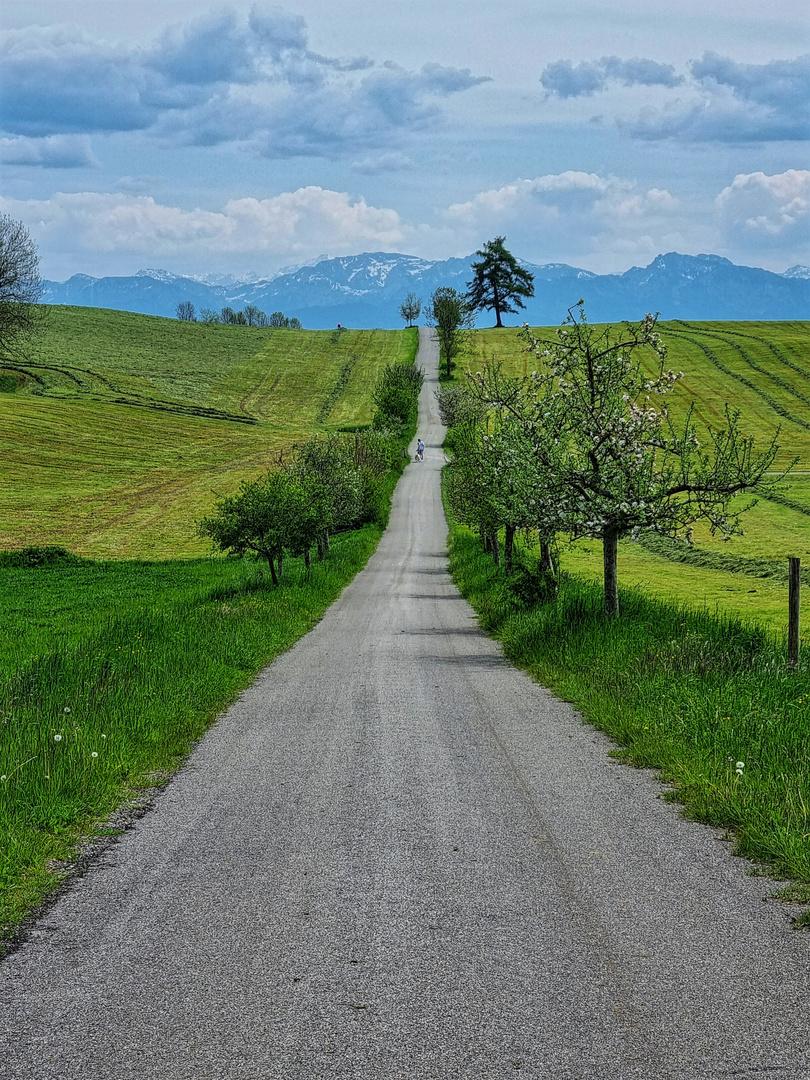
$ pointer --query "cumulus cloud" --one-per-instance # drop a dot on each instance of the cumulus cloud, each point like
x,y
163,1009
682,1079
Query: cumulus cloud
x,y
601,222
564,80
767,209
224,78
294,225
52,152
574,214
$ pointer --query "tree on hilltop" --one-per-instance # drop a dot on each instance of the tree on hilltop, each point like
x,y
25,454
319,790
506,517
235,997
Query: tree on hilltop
x,y
499,281
186,312
410,308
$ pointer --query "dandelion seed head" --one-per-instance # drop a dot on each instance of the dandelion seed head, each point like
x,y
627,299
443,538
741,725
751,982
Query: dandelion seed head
x,y
57,738
94,754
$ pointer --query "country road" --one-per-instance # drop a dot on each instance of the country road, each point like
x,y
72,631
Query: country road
x,y
396,857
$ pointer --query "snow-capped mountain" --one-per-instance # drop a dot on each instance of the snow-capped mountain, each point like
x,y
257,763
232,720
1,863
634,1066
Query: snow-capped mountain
x,y
366,290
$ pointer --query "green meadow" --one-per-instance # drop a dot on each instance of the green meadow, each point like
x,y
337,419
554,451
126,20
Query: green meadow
x,y
124,428
762,369
121,636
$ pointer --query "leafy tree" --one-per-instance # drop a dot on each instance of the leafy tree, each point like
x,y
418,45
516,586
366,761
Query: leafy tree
x,y
254,316
618,463
499,281
280,320
396,396
265,516
227,316
186,312
518,485
410,308
21,288
451,316
334,485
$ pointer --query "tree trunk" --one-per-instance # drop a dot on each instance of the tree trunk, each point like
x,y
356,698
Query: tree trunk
x,y
308,558
273,575
325,539
495,547
547,559
508,549
320,547
610,547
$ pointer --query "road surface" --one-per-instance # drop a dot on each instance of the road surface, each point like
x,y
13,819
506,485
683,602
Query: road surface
x,y
396,857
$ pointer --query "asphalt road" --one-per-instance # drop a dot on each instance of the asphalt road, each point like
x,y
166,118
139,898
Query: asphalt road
x,y
396,857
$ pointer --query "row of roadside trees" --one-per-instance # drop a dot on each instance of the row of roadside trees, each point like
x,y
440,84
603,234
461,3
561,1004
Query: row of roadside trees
x,y
326,485
584,446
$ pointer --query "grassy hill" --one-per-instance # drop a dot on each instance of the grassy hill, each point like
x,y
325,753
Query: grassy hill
x,y
762,369
116,654
124,428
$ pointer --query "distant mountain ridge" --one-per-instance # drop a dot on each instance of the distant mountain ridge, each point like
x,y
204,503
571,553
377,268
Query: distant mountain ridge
x,y
366,290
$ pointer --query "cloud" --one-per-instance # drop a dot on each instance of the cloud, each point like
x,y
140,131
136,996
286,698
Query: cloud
x,y
735,103
52,152
564,80
574,213
767,209
294,225
721,100
601,222
384,163
221,79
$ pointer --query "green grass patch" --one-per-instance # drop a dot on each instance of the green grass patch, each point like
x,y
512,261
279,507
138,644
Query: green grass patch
x,y
688,693
110,671
124,429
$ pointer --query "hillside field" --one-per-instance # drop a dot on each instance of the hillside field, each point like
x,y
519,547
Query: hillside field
x,y
762,369
121,646
123,429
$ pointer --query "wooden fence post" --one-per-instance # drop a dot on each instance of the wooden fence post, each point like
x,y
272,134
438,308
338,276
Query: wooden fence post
x,y
794,596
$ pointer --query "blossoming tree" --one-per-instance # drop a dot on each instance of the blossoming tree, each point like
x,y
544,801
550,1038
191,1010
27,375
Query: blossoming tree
x,y
595,423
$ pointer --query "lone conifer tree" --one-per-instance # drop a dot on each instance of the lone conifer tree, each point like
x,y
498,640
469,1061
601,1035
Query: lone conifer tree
x,y
499,280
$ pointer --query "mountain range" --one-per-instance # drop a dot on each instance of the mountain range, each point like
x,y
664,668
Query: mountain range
x,y
366,290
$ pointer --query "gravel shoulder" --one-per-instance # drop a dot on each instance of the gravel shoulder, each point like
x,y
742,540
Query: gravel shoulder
x,y
397,857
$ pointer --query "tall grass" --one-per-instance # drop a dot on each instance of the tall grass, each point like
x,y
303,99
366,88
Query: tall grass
x,y
88,716
706,700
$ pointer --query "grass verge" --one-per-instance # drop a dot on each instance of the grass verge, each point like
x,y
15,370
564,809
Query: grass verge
x,y
98,712
688,693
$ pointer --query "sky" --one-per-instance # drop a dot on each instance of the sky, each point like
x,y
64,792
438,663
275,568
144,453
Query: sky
x,y
242,138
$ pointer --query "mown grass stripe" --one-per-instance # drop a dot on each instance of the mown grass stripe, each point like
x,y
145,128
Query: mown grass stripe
x,y
712,356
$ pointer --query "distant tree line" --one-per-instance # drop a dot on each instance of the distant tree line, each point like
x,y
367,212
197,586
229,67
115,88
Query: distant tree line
x,y
326,485
250,315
